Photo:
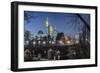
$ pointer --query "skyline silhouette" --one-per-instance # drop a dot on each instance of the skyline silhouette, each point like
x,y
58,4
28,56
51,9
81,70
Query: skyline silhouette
x,y
68,23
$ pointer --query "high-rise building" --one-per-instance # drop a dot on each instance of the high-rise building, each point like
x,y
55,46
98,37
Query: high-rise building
x,y
47,25
50,29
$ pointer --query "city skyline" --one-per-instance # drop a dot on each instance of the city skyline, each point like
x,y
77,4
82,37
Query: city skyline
x,y
68,23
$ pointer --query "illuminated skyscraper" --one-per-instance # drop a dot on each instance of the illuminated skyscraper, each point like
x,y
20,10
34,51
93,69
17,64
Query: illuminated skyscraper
x,y
47,25
50,29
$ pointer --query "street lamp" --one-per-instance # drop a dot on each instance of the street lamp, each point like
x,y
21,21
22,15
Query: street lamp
x,y
44,42
34,42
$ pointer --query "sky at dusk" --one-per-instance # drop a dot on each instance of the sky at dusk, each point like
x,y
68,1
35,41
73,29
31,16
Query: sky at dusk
x,y
69,23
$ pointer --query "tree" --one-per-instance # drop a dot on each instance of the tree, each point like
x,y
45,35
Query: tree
x,y
85,36
29,16
27,35
40,32
85,29
85,23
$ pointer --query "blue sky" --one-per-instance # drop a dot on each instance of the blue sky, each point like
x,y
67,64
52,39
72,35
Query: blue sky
x,y
69,23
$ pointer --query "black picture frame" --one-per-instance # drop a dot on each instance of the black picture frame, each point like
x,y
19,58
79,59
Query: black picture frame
x,y
14,35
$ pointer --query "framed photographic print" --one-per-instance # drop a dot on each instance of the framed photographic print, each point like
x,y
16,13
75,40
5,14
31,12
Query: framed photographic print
x,y
52,36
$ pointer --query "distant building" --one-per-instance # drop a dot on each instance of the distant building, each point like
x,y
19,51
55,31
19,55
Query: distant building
x,y
77,38
50,29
